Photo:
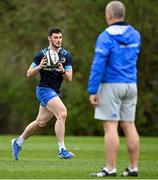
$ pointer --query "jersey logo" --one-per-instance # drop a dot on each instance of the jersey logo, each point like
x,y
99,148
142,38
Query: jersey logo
x,y
63,59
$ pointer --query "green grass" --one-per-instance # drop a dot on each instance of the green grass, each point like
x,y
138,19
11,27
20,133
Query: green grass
x,y
38,159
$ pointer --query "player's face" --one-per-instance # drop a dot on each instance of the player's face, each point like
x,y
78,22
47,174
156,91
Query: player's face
x,y
56,40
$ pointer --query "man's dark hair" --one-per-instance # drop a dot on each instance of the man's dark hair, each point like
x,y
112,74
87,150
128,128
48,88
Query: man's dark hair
x,y
54,30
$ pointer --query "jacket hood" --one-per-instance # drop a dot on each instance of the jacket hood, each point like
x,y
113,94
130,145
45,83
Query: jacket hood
x,y
124,34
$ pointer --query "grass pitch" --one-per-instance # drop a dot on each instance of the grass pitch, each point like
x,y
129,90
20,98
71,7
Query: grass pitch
x,y
39,160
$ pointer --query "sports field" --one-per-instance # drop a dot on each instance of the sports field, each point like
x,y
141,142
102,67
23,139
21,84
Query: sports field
x,y
38,159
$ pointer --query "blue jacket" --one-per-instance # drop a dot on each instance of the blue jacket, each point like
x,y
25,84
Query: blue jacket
x,y
115,57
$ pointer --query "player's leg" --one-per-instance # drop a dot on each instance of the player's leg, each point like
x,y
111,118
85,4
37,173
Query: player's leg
x,y
43,117
111,143
57,107
108,112
133,146
110,105
127,115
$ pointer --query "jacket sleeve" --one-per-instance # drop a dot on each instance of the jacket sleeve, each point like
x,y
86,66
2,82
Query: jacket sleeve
x,y
102,51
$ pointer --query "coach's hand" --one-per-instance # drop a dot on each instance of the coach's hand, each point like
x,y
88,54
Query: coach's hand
x,y
94,100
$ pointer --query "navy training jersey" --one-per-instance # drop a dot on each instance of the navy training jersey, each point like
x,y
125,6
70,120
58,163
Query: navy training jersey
x,y
50,77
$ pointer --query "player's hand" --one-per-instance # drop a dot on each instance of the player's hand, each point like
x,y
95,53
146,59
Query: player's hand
x,y
94,100
60,68
43,63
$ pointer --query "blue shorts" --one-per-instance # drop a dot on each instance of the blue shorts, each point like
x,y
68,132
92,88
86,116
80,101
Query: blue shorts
x,y
44,94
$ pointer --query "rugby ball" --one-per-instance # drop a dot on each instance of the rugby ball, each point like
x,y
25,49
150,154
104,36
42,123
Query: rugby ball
x,y
52,58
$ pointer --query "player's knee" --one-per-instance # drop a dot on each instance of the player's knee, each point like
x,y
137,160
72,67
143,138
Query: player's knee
x,y
41,124
133,146
63,115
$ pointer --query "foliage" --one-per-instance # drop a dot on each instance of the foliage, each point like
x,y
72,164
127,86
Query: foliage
x,y
23,32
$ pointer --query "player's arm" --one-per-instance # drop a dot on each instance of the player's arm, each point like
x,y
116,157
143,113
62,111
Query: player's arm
x,y
34,69
66,72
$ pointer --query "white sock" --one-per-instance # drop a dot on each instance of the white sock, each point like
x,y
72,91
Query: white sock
x,y
110,170
61,145
20,141
133,169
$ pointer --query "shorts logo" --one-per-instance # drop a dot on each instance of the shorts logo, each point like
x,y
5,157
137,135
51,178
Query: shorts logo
x,y
114,115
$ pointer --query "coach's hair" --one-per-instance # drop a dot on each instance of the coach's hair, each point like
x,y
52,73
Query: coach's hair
x,y
116,9
54,30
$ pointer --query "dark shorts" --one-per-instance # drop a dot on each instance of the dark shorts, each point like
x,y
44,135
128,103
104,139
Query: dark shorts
x,y
44,94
